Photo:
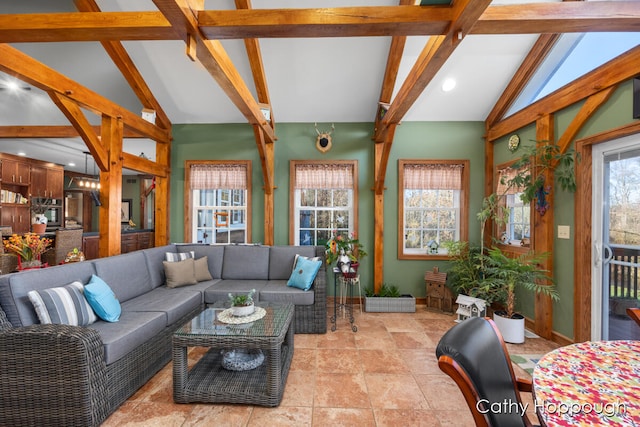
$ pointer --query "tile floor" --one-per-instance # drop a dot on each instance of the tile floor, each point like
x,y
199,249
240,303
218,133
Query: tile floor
x,y
385,374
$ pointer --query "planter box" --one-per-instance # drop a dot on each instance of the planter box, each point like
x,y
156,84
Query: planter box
x,y
404,304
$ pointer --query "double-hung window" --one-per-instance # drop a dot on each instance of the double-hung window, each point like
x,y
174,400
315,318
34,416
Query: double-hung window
x,y
324,196
218,205
433,206
514,228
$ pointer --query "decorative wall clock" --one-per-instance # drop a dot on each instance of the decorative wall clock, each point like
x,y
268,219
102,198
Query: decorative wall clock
x,y
514,142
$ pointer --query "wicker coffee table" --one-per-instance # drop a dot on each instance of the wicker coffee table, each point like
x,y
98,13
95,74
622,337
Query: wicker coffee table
x,y
208,381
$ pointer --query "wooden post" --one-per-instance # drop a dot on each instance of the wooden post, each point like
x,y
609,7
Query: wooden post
x,y
162,210
543,233
111,187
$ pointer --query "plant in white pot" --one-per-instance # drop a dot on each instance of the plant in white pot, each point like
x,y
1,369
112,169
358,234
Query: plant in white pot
x,y
242,304
505,274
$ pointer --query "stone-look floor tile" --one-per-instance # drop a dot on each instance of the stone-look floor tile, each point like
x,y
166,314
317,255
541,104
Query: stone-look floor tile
x,y
402,324
459,418
344,417
375,340
341,391
151,414
406,418
412,340
299,389
205,415
305,341
383,361
304,359
420,360
280,417
338,360
393,391
441,392
342,338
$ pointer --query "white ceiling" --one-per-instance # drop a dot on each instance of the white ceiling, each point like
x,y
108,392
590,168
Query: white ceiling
x,y
324,80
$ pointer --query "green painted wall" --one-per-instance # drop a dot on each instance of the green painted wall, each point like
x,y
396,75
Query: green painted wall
x,y
616,112
296,141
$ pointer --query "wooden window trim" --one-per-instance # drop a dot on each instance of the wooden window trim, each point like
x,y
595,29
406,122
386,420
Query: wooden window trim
x,y
188,197
464,205
516,250
292,183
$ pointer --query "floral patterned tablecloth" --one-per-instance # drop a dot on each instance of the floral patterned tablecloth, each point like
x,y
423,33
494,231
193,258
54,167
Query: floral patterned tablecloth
x,y
589,384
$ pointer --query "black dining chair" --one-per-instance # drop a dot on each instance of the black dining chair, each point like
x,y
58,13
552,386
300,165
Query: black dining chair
x,y
634,313
474,354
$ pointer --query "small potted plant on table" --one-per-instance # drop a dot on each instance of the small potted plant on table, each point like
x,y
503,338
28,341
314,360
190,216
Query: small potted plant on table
x,y
242,304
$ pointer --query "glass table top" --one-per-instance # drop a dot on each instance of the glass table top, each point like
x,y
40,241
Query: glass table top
x,y
208,323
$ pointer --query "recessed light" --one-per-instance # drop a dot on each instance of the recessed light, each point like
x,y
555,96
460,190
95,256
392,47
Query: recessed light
x,y
71,164
448,85
11,85
21,153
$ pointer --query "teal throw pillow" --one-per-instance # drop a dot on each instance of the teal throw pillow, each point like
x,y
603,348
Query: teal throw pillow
x,y
304,273
102,299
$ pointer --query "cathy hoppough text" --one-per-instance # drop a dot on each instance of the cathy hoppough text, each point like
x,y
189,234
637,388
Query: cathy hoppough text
x,y
608,409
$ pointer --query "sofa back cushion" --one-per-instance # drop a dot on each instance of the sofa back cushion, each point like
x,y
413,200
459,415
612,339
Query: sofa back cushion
x,y
214,254
243,262
281,260
13,294
127,274
154,258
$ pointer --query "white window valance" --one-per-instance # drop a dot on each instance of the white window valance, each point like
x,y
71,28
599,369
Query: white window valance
x,y
324,175
435,176
227,176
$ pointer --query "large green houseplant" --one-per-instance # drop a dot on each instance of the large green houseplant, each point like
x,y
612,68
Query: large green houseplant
x,y
492,274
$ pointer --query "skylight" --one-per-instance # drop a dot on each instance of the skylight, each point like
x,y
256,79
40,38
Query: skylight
x,y
573,56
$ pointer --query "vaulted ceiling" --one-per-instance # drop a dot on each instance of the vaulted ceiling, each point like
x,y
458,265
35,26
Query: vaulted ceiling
x,y
326,65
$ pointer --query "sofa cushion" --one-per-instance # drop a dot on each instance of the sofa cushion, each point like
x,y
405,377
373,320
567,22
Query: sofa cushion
x,y
134,328
304,273
102,299
64,305
15,301
278,291
180,273
221,289
242,262
127,274
154,258
174,303
281,260
214,254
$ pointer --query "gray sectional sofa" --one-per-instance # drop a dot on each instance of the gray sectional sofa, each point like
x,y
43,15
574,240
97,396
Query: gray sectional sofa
x,y
78,375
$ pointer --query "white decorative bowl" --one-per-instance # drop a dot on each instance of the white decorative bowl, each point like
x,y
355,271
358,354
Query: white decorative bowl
x,y
243,310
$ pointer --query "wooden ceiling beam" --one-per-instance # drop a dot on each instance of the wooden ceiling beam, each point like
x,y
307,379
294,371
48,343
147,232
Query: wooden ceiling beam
x,y
145,166
216,61
76,117
90,26
123,61
521,78
436,52
562,17
402,20
27,69
44,131
619,69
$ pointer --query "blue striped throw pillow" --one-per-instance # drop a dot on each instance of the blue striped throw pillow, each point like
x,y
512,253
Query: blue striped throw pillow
x,y
65,305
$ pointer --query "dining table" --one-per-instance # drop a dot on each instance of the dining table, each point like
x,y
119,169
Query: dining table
x,y
592,383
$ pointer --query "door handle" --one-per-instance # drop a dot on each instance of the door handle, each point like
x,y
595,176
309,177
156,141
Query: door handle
x,y
608,253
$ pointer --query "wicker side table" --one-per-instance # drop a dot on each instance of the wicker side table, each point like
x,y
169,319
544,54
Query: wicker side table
x,y
209,382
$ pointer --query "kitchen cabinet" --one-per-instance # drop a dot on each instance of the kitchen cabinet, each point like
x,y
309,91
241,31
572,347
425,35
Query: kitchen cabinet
x,y
15,172
129,242
47,181
90,246
17,217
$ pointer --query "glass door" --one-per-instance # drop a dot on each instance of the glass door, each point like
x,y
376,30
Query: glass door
x,y
616,238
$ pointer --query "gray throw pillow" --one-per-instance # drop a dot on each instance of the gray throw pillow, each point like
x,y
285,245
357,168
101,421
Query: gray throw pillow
x,y
202,269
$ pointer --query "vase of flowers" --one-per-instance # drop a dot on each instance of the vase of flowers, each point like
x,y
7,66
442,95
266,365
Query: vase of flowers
x,y
347,251
29,249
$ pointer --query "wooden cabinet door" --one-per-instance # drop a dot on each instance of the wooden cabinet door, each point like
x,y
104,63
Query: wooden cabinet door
x,y
17,217
39,181
128,243
55,183
90,247
15,172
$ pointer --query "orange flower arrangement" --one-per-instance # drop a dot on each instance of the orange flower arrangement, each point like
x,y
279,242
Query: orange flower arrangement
x,y
28,247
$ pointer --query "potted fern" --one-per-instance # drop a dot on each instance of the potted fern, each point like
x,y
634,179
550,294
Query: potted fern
x,y
389,299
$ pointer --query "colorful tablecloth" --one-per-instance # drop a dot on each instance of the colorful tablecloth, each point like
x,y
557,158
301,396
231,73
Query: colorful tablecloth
x,y
589,384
